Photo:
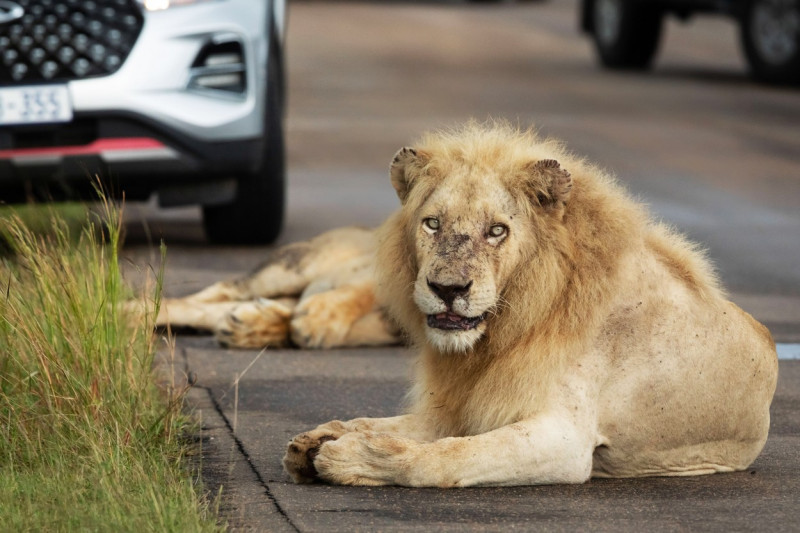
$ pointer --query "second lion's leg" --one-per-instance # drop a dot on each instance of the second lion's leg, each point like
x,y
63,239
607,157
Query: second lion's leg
x,y
288,272
281,278
373,329
182,313
283,274
255,324
340,317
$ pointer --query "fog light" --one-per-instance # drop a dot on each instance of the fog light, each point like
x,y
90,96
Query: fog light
x,y
220,66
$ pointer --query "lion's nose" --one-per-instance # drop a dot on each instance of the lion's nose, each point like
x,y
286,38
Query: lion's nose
x,y
448,293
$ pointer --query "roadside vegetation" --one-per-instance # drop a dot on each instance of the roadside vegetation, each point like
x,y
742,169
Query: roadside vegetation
x,y
38,218
88,442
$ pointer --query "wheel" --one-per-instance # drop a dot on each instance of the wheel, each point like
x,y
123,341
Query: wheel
x,y
256,214
626,33
770,32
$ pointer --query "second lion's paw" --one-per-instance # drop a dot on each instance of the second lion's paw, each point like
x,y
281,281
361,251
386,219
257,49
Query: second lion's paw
x,y
257,324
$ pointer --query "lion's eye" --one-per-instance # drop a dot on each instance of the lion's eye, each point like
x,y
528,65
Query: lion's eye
x,y
431,223
498,230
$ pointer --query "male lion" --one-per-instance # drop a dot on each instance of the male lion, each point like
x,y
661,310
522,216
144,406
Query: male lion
x,y
562,333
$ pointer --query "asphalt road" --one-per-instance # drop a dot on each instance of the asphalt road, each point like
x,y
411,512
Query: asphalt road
x,y
711,152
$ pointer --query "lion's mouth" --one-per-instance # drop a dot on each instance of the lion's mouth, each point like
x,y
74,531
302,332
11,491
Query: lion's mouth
x,y
452,321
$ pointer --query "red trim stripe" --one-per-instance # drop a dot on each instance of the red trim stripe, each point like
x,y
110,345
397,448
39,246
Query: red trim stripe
x,y
97,147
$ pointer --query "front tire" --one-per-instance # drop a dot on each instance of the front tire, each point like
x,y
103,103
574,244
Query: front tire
x,y
626,33
256,214
770,33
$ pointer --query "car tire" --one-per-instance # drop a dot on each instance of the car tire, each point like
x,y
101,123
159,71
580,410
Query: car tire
x,y
770,33
626,33
256,214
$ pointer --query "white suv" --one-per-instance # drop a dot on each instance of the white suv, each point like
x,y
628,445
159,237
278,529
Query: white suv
x,y
180,97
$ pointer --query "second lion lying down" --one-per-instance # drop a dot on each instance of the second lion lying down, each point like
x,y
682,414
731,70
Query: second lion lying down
x,y
314,294
562,334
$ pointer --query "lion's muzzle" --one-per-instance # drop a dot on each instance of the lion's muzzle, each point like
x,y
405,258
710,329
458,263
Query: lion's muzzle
x,y
449,320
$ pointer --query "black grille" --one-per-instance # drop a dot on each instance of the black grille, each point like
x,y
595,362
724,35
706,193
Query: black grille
x,y
67,39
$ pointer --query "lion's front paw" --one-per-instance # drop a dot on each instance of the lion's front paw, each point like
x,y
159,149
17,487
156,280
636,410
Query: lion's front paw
x,y
303,449
365,458
258,324
323,320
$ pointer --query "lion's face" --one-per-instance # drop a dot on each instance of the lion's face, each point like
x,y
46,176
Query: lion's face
x,y
474,220
466,244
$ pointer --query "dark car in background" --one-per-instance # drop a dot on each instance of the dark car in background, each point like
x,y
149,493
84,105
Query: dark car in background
x,y
626,32
183,98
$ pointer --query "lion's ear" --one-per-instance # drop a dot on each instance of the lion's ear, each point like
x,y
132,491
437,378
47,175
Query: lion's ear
x,y
402,163
550,185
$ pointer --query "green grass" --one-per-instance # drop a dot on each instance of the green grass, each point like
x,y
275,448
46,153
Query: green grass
x,y
87,440
37,218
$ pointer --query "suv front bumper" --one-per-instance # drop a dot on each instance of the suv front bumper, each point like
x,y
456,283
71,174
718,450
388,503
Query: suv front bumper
x,y
187,105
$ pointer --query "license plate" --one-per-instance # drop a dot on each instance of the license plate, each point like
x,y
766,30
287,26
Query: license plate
x,y
35,104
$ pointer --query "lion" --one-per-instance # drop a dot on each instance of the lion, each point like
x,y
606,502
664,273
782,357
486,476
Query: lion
x,y
562,333
316,294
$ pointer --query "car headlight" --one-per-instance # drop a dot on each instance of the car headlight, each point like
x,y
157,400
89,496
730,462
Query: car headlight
x,y
160,5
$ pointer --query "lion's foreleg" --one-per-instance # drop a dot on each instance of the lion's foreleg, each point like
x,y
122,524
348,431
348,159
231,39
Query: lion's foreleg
x,y
256,324
410,426
182,313
538,451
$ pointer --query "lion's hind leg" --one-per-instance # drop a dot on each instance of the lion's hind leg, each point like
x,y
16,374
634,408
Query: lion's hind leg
x,y
341,317
373,329
282,275
292,268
